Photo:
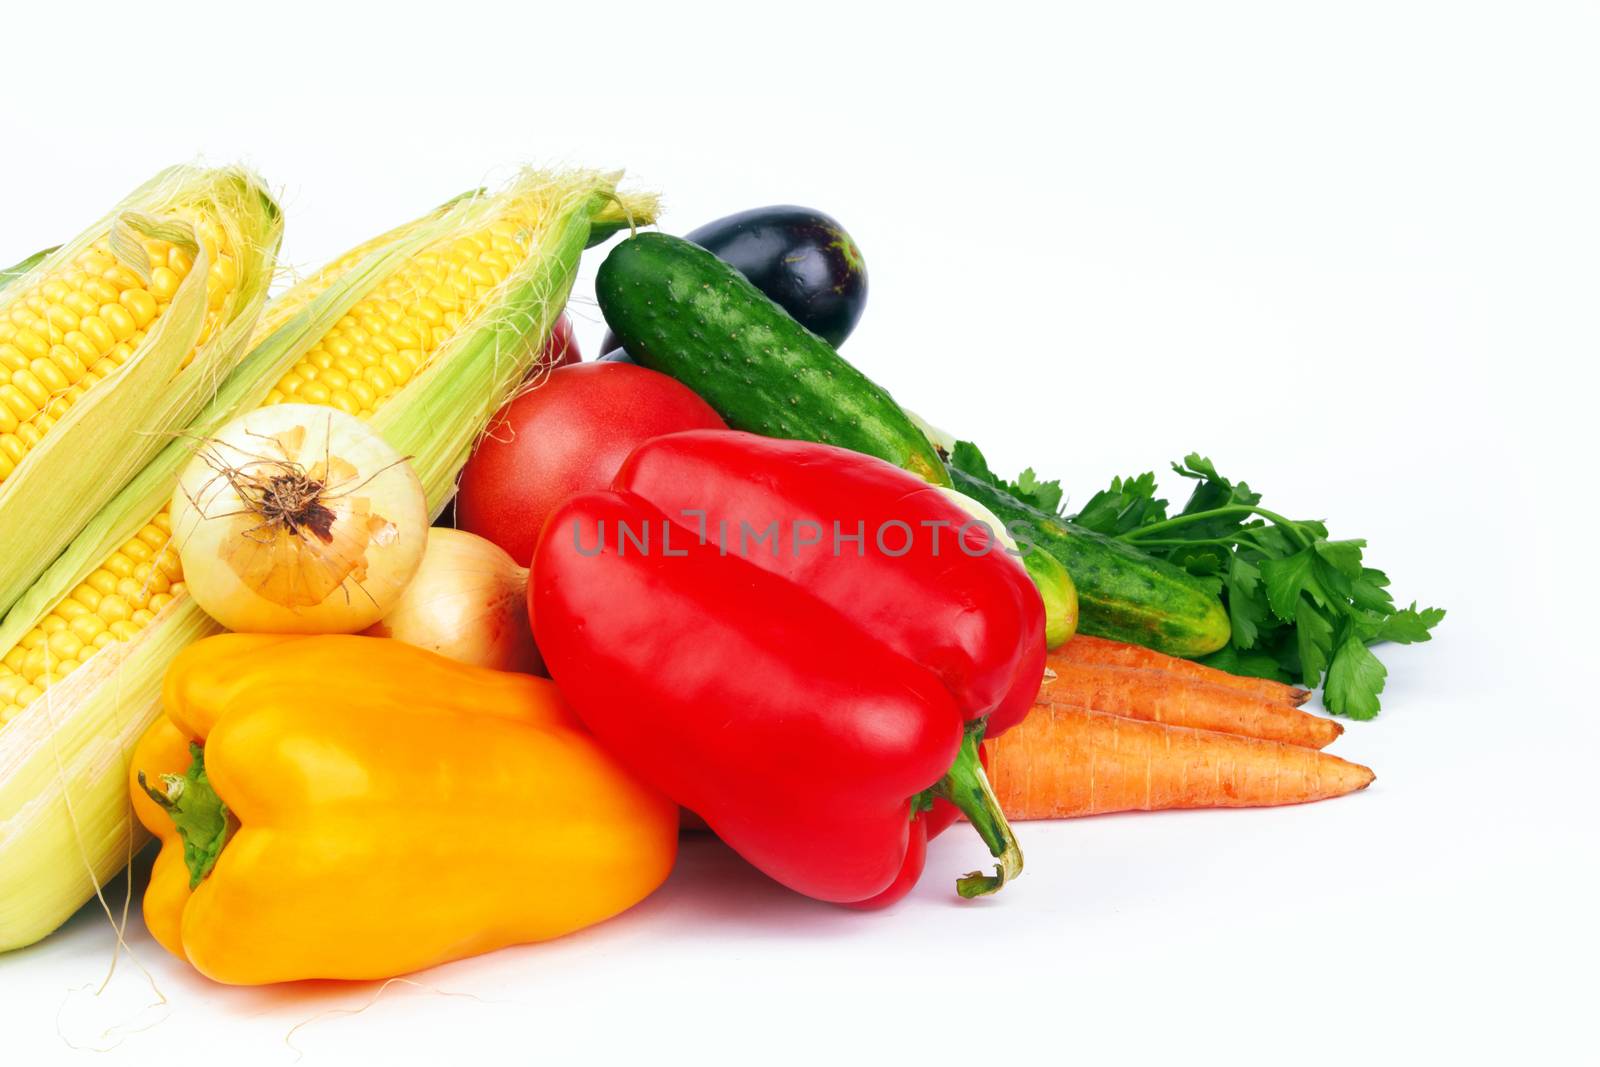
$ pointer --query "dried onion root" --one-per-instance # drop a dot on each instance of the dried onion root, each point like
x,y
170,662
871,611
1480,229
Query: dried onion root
x,y
298,518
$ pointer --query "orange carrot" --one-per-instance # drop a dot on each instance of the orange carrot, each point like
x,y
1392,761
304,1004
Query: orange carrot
x,y
1098,650
1064,762
1179,701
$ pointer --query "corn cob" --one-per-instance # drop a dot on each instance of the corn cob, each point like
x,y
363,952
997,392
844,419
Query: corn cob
x,y
112,341
463,298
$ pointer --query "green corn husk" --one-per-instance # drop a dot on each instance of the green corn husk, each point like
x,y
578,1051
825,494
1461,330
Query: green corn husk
x,y
115,429
21,270
65,821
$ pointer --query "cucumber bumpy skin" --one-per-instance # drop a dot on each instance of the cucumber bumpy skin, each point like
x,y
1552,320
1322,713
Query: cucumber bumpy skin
x,y
1123,594
680,310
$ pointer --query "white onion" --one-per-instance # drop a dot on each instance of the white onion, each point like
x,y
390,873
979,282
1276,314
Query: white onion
x,y
297,518
469,601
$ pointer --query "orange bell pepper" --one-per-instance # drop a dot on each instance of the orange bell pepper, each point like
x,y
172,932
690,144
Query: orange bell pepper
x,y
355,807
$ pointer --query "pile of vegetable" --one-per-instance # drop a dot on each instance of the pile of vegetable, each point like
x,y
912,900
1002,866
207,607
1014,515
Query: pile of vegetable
x,y
717,572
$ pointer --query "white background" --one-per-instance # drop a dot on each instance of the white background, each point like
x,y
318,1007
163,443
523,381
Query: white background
x,y
1349,251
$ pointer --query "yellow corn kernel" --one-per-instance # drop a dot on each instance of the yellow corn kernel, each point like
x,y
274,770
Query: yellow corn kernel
x,y
87,626
314,393
64,644
12,446
140,304
100,291
119,320
59,317
94,330
86,595
49,372
82,348
80,304
170,565
16,400
121,278
163,284
103,581
224,274
114,609
36,662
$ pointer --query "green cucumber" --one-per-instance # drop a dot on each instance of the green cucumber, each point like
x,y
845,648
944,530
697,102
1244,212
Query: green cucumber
x,y
680,310
1123,594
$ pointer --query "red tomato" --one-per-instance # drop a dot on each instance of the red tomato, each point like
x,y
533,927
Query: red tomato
x,y
567,436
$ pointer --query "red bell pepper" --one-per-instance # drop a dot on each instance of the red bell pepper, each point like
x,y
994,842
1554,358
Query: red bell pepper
x,y
939,588
808,705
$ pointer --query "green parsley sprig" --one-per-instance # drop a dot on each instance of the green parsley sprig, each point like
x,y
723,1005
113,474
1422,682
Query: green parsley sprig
x,y
1303,607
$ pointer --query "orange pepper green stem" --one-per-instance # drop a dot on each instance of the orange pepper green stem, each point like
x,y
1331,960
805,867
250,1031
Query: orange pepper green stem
x,y
354,807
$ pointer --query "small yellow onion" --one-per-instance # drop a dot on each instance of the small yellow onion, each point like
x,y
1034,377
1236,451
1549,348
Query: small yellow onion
x,y
469,601
298,519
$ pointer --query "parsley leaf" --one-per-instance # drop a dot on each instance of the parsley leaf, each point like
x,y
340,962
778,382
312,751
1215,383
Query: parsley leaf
x,y
1285,578
1410,626
1248,609
1028,488
966,458
1129,504
1355,679
1046,496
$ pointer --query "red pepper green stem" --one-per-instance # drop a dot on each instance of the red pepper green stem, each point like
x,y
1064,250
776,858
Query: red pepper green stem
x,y
967,787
